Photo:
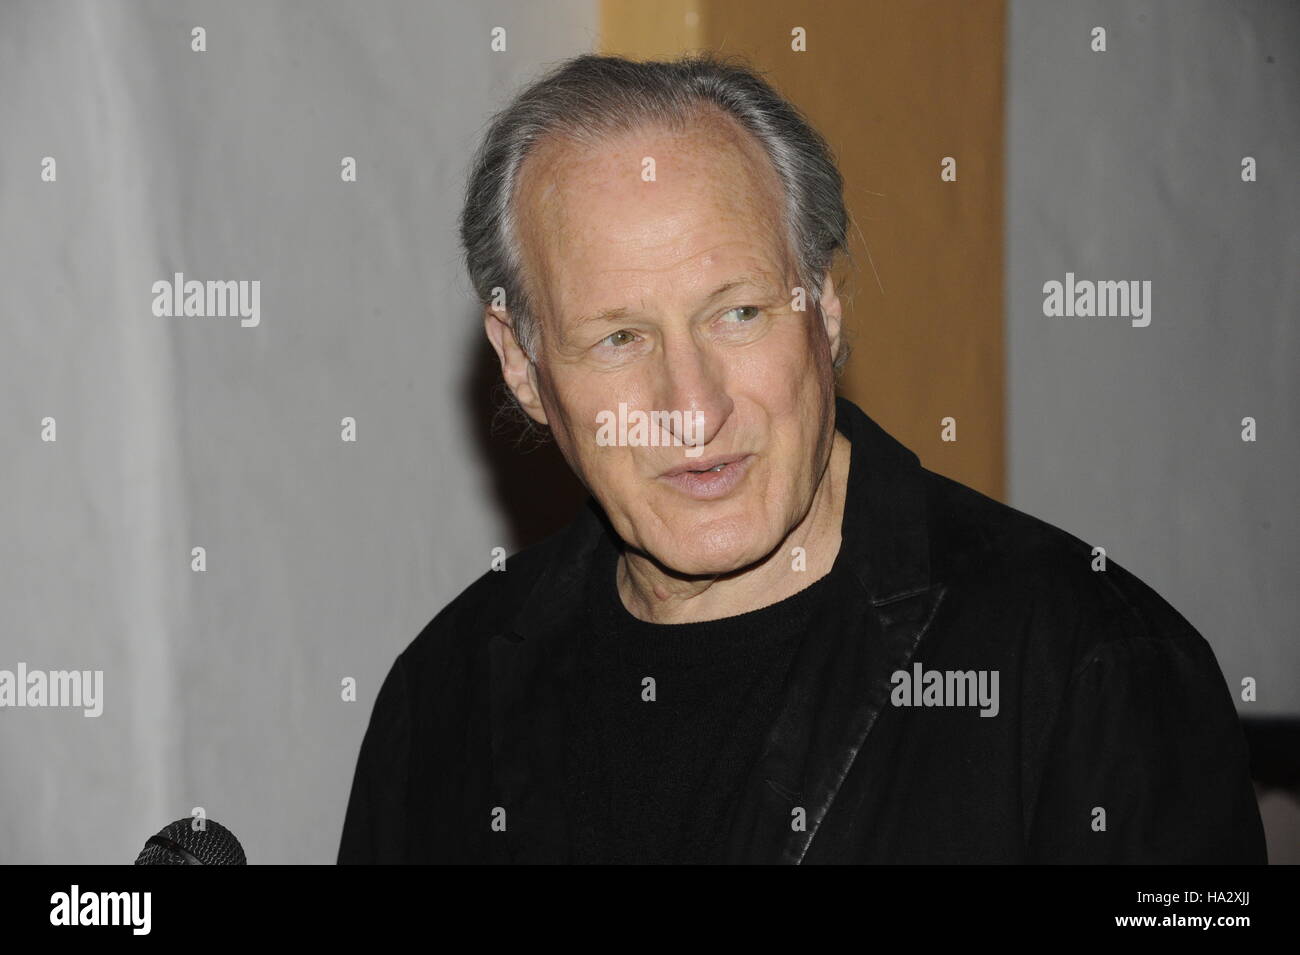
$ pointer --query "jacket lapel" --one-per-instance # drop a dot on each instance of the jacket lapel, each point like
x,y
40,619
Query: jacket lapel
x,y
841,677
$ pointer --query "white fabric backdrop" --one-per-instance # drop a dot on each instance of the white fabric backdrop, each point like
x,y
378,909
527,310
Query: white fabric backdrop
x,y
1126,165
222,689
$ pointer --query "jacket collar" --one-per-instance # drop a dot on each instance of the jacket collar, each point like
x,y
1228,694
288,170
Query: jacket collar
x,y
841,678
884,531
839,682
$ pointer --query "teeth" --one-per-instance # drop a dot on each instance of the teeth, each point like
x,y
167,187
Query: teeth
x,y
708,470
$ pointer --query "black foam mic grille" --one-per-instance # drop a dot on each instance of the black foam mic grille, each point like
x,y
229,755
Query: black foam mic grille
x,y
181,844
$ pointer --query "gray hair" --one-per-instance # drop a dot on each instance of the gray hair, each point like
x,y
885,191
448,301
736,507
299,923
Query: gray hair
x,y
589,97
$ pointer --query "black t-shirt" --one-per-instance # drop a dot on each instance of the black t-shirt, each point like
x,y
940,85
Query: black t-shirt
x,y
653,781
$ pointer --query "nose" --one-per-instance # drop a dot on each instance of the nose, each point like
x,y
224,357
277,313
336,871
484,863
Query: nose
x,y
693,381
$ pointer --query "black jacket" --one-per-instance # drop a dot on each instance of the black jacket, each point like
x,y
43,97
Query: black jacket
x,y
1115,740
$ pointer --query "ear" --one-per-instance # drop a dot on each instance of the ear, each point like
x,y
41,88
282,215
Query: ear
x,y
516,367
832,314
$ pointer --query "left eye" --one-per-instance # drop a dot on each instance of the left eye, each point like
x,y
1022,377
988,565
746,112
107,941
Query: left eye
x,y
753,311
616,341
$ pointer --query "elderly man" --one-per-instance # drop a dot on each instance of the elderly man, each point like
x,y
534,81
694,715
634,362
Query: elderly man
x,y
771,636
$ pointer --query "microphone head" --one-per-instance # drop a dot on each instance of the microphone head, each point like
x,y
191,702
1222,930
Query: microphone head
x,y
181,844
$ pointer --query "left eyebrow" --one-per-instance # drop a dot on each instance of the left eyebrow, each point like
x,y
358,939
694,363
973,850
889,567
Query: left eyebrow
x,y
755,281
622,311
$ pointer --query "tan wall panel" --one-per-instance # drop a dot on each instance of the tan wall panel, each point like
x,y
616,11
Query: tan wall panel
x,y
651,30
894,87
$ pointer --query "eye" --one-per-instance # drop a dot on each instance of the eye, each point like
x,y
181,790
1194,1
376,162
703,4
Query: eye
x,y
752,309
619,338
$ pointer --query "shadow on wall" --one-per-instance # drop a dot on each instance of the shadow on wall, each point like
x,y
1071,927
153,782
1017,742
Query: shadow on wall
x,y
532,483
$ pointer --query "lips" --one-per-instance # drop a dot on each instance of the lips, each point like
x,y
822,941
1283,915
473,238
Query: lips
x,y
707,464
709,479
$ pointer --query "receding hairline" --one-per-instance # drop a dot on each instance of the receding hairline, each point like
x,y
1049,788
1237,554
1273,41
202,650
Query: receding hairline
x,y
591,95
701,116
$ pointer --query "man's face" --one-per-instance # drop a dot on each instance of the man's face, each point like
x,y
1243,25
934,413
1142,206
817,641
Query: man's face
x,y
676,294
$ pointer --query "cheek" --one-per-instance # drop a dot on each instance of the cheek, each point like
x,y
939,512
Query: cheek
x,y
785,389
599,465
788,356
612,466
795,395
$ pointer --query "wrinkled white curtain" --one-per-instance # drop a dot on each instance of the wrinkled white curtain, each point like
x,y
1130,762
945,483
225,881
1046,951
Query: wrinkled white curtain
x,y
1126,165
222,689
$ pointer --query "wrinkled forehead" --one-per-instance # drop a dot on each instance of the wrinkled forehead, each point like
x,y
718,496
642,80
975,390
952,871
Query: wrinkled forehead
x,y
632,205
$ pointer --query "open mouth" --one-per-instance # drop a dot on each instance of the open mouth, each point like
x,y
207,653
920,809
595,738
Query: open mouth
x,y
712,480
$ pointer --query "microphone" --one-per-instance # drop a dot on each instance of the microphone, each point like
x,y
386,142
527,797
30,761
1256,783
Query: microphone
x,y
180,844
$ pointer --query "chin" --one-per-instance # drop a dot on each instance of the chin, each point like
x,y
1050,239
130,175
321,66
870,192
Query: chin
x,y
711,550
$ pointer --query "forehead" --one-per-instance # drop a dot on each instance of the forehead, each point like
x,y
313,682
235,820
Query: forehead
x,y
590,224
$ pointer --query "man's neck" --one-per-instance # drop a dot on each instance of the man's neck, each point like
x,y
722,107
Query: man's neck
x,y
653,595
